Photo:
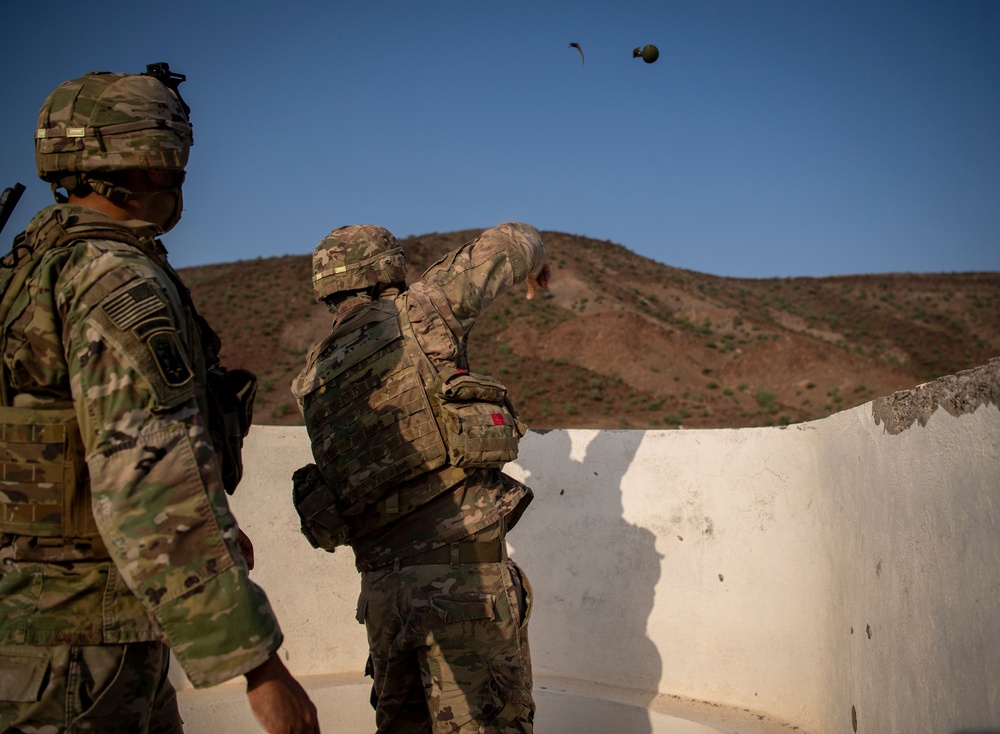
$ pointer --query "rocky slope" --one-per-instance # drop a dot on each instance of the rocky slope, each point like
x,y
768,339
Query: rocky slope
x,y
621,341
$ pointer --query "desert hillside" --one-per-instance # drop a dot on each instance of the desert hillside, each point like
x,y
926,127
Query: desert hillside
x,y
621,341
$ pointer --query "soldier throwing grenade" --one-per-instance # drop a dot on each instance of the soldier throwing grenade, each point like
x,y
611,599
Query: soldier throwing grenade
x,y
408,446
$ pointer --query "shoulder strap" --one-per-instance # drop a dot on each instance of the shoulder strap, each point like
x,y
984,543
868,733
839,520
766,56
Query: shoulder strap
x,y
428,372
57,230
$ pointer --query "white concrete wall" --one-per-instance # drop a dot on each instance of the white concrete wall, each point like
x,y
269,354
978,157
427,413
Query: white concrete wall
x,y
832,575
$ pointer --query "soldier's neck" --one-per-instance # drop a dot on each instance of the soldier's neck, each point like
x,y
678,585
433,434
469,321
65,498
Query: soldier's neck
x,y
97,202
147,242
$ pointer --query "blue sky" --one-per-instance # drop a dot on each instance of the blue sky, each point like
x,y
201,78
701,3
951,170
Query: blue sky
x,y
771,138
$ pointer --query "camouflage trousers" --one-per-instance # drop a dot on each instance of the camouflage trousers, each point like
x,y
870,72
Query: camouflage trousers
x,y
112,689
449,648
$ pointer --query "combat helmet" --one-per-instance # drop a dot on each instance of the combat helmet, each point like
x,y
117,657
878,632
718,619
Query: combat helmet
x,y
356,258
103,123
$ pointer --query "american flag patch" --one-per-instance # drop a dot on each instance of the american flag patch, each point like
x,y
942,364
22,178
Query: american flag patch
x,y
134,305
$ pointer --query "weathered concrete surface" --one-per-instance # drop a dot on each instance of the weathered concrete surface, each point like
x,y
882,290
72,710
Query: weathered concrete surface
x,y
958,394
830,576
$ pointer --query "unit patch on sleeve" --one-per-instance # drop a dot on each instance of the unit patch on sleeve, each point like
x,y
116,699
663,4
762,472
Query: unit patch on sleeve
x,y
169,358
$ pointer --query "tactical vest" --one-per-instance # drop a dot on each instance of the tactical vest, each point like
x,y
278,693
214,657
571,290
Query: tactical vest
x,y
379,414
368,413
44,485
45,493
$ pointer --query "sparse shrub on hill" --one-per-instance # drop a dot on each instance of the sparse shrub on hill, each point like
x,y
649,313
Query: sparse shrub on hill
x,y
621,341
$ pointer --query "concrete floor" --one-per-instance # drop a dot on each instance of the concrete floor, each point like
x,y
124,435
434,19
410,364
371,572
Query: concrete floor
x,y
563,707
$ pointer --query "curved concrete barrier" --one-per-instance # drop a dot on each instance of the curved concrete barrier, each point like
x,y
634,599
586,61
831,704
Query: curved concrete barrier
x,y
835,576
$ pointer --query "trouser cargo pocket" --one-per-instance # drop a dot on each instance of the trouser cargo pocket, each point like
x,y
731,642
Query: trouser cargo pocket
x,y
23,672
507,704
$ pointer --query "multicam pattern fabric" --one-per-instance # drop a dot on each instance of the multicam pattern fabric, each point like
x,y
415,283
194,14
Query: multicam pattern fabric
x,y
100,326
105,122
366,406
105,689
44,493
448,644
356,257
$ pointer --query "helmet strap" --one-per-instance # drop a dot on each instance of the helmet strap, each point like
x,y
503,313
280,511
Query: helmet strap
x,y
60,198
117,195
81,185
73,183
121,196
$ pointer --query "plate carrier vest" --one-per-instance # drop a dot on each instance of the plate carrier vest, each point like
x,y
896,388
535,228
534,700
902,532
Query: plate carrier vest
x,y
44,482
380,414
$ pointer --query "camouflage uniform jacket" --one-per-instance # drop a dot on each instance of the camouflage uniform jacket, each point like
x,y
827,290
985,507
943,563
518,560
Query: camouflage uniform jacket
x,y
443,307
79,335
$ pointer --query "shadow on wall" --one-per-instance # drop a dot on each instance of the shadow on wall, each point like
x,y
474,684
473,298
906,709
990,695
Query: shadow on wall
x,y
607,568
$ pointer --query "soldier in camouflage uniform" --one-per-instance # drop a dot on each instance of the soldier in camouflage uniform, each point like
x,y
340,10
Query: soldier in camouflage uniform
x,y
409,444
120,437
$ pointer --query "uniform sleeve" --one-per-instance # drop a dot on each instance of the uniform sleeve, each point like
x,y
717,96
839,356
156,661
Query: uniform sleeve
x,y
155,479
454,292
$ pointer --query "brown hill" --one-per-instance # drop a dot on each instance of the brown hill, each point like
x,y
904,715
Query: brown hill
x,y
621,341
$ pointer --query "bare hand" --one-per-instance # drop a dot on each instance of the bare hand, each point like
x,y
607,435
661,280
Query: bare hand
x,y
278,701
246,548
539,281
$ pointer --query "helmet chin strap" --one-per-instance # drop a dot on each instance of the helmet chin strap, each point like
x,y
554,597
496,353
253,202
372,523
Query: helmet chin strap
x,y
117,195
120,196
173,216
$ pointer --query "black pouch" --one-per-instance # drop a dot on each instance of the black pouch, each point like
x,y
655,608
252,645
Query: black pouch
x,y
231,394
315,504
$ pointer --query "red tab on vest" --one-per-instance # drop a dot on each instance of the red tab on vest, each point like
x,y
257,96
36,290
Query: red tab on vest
x,y
498,419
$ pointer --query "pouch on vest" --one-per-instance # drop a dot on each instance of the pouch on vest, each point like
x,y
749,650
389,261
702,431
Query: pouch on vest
x,y
480,425
316,506
44,489
231,394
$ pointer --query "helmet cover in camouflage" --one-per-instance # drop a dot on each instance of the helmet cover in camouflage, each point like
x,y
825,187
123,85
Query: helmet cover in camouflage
x,y
356,257
103,122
